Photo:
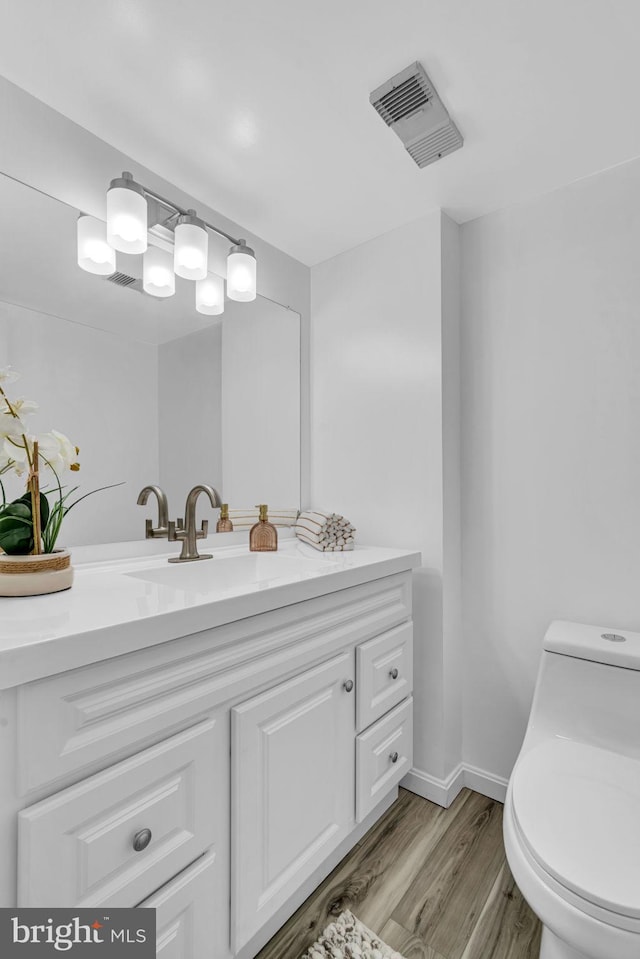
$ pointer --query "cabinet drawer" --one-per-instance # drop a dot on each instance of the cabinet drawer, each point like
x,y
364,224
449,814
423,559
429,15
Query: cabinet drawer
x,y
184,911
384,754
77,847
384,673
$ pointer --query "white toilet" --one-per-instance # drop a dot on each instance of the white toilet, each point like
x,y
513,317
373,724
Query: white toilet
x,y
572,814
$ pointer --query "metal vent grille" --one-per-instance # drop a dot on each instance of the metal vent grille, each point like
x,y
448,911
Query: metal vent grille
x,y
435,145
405,99
409,104
121,279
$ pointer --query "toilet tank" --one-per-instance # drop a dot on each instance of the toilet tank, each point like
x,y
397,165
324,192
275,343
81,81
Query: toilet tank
x,y
588,688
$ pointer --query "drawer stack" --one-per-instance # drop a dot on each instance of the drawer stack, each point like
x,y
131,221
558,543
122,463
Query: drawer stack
x,y
384,709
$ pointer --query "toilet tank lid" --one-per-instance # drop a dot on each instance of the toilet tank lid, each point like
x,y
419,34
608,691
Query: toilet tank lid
x,y
600,644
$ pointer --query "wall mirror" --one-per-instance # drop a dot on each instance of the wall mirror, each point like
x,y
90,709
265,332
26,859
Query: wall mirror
x,y
149,389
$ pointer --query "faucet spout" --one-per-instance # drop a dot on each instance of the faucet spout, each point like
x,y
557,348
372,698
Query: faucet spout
x,y
162,529
190,534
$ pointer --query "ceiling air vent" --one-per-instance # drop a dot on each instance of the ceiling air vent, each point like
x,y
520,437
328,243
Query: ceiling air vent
x,y
123,279
410,105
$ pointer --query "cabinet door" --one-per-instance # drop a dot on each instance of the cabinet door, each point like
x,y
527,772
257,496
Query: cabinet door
x,y
293,781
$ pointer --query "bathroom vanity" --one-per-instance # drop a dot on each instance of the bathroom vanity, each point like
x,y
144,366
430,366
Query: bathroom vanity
x,y
208,739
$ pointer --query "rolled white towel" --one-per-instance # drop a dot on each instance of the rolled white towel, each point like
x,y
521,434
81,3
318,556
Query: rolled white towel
x,y
246,518
330,532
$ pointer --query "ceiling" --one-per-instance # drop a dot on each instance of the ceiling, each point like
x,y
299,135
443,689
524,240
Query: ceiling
x,y
262,109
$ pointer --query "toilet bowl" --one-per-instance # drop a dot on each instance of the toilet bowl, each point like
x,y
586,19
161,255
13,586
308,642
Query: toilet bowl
x,y
572,812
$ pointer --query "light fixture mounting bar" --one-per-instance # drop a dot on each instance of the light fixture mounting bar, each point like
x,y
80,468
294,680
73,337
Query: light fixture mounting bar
x,y
183,212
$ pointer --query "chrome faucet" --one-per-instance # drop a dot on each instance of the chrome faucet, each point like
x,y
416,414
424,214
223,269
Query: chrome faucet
x,y
190,535
162,529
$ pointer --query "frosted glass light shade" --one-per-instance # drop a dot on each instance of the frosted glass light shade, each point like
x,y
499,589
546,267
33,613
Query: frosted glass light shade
x,y
94,253
191,250
210,295
126,216
158,278
241,273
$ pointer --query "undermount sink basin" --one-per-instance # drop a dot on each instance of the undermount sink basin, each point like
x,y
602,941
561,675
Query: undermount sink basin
x,y
249,570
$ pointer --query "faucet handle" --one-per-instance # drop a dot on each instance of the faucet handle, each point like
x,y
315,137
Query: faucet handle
x,y
203,532
176,531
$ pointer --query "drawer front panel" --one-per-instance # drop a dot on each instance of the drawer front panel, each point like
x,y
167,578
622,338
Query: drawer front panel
x,y
77,847
385,673
191,913
384,754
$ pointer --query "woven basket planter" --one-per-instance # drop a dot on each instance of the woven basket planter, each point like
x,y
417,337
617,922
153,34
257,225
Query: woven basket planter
x,y
35,575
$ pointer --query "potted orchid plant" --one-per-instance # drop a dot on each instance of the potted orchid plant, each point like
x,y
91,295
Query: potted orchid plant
x,y
30,525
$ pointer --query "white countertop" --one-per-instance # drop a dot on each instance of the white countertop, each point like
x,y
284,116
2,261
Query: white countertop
x,y
125,604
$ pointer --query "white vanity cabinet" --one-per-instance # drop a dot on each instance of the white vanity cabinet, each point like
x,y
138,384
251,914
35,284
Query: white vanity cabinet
x,y
216,778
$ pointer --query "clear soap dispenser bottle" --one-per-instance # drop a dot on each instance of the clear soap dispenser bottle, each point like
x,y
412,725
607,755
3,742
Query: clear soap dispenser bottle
x,y
224,524
263,537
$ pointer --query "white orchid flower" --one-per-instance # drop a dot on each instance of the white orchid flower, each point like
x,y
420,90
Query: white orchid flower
x,y
58,451
12,424
14,451
7,375
22,407
11,428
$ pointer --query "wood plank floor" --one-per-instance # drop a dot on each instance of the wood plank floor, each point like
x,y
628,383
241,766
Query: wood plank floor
x,y
432,882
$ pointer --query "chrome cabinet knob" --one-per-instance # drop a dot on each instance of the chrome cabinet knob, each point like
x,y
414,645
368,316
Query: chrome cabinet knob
x,y
394,673
348,685
393,757
142,839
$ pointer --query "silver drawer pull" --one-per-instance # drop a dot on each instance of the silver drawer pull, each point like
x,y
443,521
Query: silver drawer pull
x,y
394,673
348,685
141,840
393,757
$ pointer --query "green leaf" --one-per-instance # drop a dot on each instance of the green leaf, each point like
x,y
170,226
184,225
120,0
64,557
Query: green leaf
x,y
44,507
16,534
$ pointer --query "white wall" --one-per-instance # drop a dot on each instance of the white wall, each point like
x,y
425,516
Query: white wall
x,y
377,411
551,439
101,391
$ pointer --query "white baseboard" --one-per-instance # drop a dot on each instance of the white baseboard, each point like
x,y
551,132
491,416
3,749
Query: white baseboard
x,y
444,791
440,791
495,787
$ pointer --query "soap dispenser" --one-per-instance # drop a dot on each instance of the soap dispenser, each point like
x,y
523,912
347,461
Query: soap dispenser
x,y
263,537
224,524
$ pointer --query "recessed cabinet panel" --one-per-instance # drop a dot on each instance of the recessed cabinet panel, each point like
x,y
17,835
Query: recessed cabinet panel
x,y
293,783
385,673
192,913
115,837
383,756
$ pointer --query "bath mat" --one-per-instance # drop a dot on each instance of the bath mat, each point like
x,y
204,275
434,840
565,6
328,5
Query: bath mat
x,y
347,938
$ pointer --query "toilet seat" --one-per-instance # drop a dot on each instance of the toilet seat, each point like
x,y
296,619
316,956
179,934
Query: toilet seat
x,y
559,789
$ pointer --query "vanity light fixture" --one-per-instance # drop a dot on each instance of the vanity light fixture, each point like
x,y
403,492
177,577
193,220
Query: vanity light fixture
x,y
210,295
158,278
126,215
241,273
130,217
191,247
94,253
